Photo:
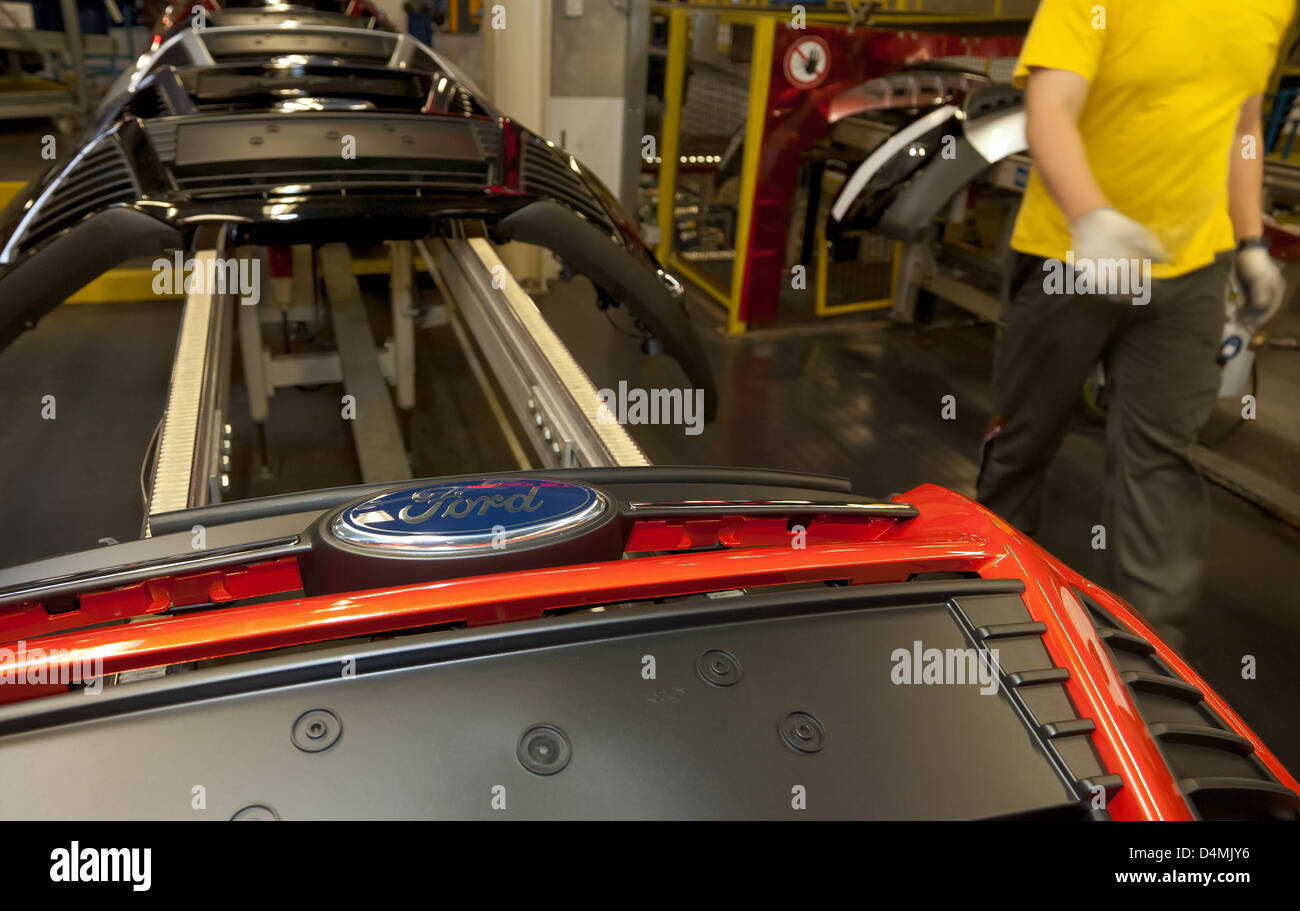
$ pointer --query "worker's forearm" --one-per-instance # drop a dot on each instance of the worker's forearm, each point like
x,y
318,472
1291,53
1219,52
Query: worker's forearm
x,y
1058,154
1246,183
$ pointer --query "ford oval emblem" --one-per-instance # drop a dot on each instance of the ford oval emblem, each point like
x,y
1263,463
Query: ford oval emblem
x,y
469,518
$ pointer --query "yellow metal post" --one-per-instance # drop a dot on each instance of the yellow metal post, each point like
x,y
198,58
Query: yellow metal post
x,y
670,141
760,72
819,241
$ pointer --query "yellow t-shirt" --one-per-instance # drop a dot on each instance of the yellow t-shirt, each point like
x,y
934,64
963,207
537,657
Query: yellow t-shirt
x,y
1168,79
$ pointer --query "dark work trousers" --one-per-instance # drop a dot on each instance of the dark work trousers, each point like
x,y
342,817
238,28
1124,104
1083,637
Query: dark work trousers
x,y
1161,380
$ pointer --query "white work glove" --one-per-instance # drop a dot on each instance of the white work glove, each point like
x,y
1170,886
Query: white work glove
x,y
1110,234
1264,285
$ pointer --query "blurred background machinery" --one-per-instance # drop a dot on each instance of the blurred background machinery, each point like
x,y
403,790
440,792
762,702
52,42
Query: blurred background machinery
x,y
55,53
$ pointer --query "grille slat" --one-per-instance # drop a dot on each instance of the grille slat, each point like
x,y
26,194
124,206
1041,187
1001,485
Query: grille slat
x,y
1161,685
557,190
547,175
351,180
100,179
1201,735
110,192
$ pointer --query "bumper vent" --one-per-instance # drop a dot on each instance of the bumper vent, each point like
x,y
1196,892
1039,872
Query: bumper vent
x,y
354,180
1217,771
100,179
411,154
547,173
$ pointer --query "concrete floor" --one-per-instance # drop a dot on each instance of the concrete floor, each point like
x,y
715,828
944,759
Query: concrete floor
x,y
859,398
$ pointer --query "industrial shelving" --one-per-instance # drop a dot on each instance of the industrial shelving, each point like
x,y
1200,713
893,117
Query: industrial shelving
x,y
28,96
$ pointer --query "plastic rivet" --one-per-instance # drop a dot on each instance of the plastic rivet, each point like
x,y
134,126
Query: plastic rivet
x,y
802,732
544,749
316,731
720,668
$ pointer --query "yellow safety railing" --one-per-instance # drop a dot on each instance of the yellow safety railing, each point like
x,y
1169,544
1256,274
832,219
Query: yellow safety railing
x,y
679,24
822,280
760,69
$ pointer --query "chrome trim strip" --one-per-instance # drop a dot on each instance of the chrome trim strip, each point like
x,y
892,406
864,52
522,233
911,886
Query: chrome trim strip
x,y
198,52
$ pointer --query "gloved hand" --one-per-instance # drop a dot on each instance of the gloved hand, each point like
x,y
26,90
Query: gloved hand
x,y
1264,285
1110,234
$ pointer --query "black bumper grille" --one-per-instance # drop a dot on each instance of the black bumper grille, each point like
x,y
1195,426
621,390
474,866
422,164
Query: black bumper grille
x,y
100,179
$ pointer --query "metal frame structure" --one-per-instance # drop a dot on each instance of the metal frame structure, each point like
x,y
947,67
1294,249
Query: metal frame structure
x,y
216,167
783,121
821,278
540,396
290,198
551,397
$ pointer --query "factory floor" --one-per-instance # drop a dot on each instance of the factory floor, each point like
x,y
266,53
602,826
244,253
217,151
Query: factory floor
x,y
857,397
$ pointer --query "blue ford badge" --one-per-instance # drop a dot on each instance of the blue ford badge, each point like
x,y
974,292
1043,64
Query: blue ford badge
x,y
469,517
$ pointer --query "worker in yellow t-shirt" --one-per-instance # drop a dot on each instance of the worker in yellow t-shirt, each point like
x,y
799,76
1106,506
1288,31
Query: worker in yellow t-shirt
x,y
1144,124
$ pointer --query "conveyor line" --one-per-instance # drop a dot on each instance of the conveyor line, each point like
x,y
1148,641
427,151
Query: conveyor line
x,y
550,395
547,405
190,469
